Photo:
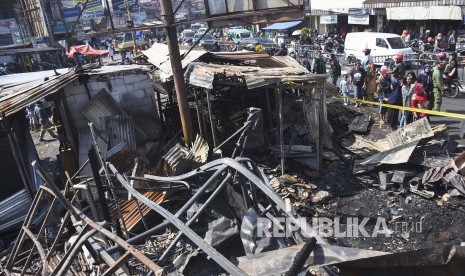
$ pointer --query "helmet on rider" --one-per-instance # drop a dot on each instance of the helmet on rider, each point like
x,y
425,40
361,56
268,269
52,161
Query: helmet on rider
x,y
384,70
453,54
430,39
367,51
439,36
427,32
442,56
399,57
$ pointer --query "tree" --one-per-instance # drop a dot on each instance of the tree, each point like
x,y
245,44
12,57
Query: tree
x,y
305,31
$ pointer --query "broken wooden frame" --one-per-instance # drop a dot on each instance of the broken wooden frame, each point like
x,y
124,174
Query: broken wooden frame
x,y
51,263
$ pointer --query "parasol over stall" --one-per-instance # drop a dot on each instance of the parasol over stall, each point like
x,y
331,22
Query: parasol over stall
x,y
85,50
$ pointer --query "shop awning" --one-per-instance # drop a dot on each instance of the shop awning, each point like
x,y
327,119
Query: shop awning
x,y
282,25
424,13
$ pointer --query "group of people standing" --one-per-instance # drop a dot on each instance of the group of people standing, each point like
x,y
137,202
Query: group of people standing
x,y
41,119
395,86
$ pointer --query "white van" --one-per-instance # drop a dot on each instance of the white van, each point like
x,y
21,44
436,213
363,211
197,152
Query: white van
x,y
381,45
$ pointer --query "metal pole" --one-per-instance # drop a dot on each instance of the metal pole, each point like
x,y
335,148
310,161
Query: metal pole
x,y
281,132
176,67
132,32
110,15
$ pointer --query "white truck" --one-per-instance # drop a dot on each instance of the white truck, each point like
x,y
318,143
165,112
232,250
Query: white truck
x,y
382,45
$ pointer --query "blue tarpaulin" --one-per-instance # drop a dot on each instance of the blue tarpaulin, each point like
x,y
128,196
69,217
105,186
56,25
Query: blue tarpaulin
x,y
282,25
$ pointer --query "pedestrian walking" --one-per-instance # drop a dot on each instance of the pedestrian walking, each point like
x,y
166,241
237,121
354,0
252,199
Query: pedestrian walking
x,y
407,91
394,98
371,84
344,86
335,68
438,86
319,64
425,78
383,89
44,121
111,50
451,41
60,129
368,59
398,67
33,122
358,82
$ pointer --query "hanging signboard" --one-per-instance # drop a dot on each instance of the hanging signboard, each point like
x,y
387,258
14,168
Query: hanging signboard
x,y
94,8
7,26
358,19
119,6
328,19
307,7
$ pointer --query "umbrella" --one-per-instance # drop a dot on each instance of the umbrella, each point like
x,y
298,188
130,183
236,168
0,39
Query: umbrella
x,y
130,44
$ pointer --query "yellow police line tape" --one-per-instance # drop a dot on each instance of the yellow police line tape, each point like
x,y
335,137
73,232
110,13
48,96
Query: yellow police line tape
x,y
419,110
52,127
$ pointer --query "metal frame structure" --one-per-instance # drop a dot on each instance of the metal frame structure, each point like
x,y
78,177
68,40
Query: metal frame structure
x,y
49,196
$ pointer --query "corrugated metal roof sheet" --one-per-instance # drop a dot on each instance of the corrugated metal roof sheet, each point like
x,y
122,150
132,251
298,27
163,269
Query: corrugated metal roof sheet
x,y
13,210
119,129
104,105
158,55
119,69
14,101
202,74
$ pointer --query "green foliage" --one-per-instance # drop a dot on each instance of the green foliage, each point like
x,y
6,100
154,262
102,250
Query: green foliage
x,y
305,31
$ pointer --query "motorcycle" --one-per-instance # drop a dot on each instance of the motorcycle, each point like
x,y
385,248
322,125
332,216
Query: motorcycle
x,y
453,87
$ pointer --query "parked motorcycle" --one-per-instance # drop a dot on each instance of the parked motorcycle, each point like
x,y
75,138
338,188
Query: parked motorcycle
x,y
453,87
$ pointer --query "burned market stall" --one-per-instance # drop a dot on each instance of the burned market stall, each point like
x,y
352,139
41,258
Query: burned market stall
x,y
19,182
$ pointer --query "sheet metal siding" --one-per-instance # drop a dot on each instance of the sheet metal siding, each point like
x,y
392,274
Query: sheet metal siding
x,y
119,129
13,210
104,105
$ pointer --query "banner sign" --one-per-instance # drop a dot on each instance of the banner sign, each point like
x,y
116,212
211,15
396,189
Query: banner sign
x,y
328,19
7,26
119,6
359,11
307,7
71,14
94,8
358,19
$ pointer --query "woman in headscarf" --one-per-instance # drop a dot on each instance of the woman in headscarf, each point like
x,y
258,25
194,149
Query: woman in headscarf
x,y
419,100
394,98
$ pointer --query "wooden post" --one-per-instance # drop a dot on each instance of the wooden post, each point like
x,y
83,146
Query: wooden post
x,y
176,68
321,126
281,131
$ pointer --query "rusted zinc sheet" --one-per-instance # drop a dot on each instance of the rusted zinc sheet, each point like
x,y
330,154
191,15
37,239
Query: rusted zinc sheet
x,y
17,101
158,55
131,215
203,74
